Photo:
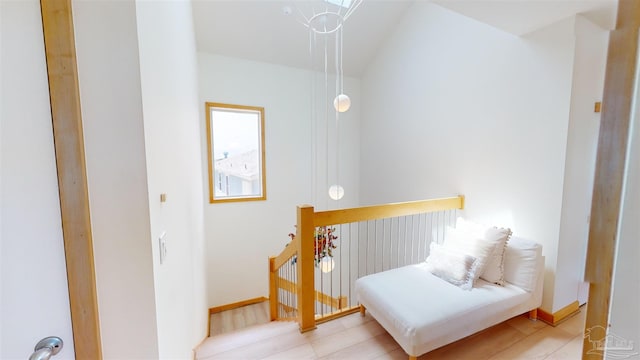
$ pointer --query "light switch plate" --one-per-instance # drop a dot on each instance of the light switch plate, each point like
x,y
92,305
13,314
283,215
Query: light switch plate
x,y
162,242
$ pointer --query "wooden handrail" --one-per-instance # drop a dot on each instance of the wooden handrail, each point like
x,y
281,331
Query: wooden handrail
x,y
286,254
345,216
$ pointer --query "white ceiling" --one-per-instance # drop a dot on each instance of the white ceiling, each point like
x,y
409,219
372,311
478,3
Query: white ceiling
x,y
259,30
520,17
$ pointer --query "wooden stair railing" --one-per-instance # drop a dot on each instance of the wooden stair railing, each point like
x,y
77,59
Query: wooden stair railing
x,y
275,263
292,291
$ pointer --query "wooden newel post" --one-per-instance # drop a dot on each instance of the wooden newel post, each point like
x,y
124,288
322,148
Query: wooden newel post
x,y
305,283
273,290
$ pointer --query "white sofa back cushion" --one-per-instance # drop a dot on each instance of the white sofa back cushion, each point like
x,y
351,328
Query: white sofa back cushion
x,y
521,263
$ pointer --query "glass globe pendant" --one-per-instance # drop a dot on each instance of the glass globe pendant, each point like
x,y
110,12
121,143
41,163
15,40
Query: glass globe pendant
x,y
327,264
342,103
336,192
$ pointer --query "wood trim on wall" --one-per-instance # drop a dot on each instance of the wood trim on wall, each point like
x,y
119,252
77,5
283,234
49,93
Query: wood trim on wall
x,y
235,305
610,165
221,308
64,96
560,315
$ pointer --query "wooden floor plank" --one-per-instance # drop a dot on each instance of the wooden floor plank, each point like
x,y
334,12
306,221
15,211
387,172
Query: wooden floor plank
x,y
356,337
538,345
368,349
480,346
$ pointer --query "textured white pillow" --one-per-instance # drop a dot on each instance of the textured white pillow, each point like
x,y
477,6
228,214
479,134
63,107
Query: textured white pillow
x,y
470,243
452,266
521,263
493,270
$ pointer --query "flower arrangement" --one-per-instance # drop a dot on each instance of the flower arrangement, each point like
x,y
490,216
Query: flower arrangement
x,y
324,243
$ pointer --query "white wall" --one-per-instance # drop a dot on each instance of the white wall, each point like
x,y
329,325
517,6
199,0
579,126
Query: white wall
x,y
241,236
454,106
138,84
34,300
582,145
624,315
109,77
168,71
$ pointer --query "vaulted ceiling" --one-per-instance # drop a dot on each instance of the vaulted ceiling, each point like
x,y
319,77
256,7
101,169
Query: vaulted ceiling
x,y
260,30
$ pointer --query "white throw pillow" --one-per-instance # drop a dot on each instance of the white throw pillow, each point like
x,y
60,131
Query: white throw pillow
x,y
493,269
470,243
521,263
452,266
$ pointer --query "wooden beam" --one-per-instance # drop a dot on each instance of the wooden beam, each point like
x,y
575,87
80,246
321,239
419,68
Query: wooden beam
x,y
610,164
57,24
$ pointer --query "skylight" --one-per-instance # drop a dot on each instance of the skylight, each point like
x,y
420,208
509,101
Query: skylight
x,y
344,3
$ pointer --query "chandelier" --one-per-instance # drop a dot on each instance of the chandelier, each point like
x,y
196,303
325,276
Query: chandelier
x,y
325,23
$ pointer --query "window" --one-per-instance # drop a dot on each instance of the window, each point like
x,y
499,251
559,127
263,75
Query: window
x,y
343,3
235,149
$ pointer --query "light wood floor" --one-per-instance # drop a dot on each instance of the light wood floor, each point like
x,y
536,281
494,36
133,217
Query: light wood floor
x,y
239,318
356,337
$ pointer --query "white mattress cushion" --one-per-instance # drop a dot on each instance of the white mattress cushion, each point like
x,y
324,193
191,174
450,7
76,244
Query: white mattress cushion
x,y
422,311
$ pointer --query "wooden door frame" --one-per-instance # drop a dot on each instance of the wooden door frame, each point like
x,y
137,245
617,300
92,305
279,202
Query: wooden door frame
x,y
610,166
64,96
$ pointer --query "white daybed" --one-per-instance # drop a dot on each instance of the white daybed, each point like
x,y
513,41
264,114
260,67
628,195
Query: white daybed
x,y
423,312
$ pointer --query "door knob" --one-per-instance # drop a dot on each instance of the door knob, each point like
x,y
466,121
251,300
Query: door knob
x,y
46,348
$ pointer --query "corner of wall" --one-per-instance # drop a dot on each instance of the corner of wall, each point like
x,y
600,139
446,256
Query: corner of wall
x,y
590,56
171,120
109,79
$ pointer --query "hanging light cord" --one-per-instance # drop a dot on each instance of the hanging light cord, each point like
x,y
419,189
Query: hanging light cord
x,y
340,90
326,110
